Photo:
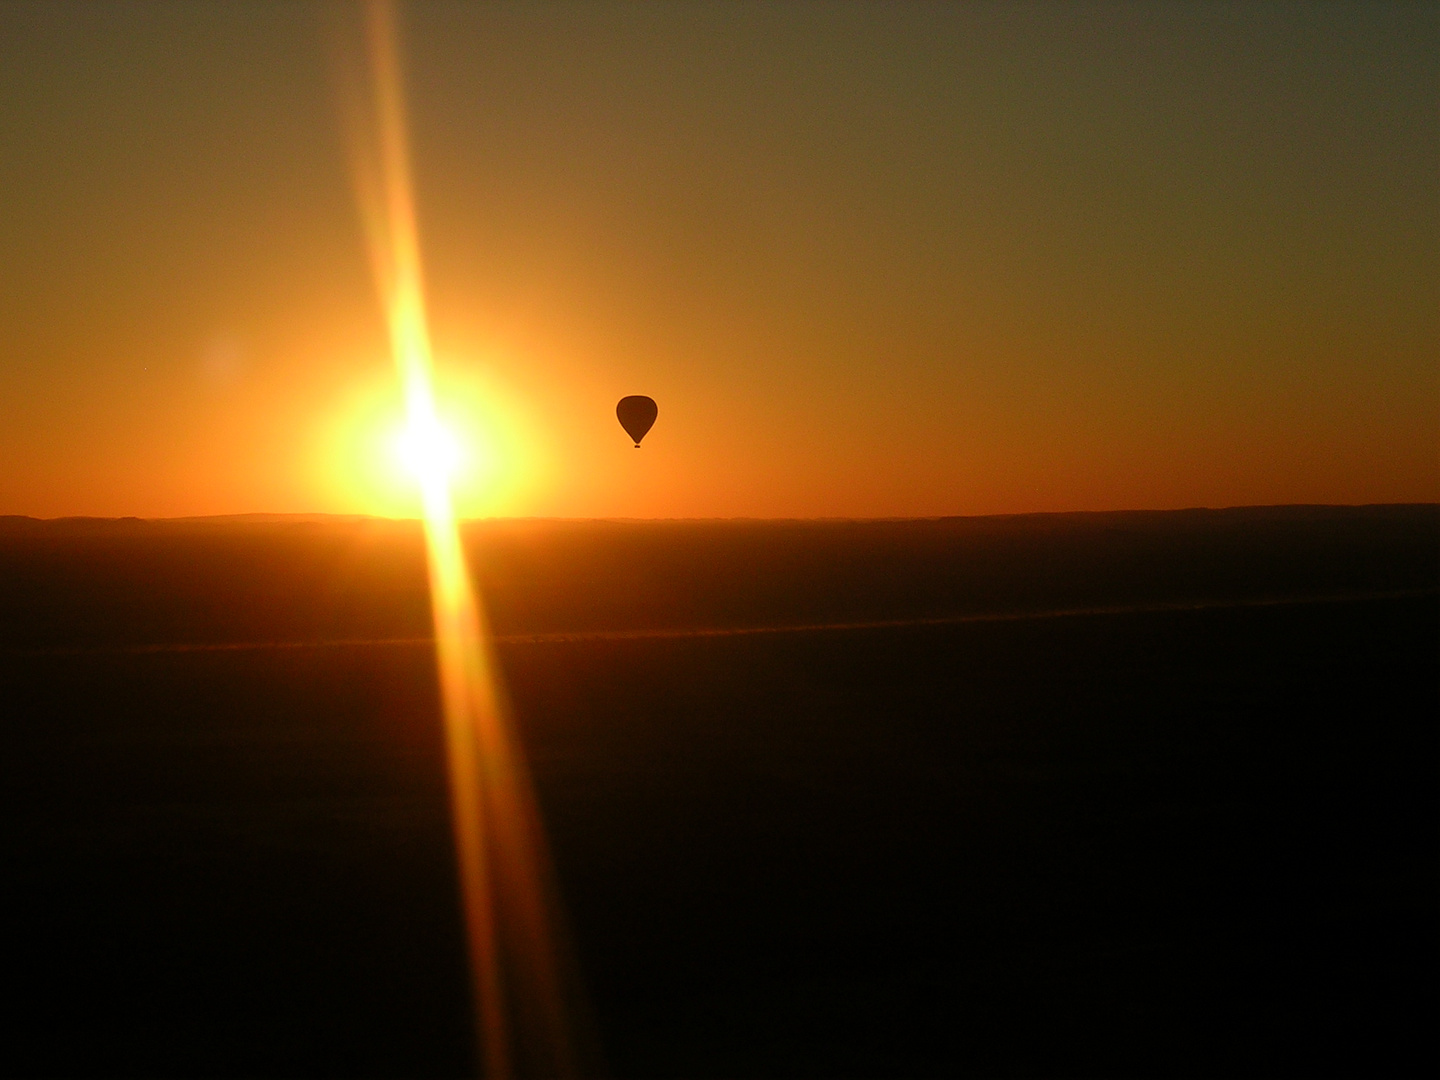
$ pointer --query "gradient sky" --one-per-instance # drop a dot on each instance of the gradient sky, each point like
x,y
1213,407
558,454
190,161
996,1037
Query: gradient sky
x,y
870,259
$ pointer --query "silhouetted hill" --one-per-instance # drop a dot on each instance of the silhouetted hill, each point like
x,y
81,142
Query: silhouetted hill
x,y
85,581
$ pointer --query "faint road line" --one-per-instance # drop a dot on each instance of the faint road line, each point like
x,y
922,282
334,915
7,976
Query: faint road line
x,y
580,636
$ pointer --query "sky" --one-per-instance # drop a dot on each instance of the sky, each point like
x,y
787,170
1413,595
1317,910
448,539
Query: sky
x,y
871,260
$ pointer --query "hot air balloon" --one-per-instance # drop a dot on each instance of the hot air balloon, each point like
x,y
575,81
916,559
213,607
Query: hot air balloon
x,y
637,414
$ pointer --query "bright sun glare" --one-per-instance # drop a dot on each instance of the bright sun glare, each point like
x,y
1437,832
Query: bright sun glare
x,y
369,453
429,450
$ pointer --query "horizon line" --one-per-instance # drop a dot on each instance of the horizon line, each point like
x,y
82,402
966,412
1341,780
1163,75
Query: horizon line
x,y
263,517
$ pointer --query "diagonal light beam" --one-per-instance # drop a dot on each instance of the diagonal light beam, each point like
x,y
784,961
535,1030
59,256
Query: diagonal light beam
x,y
520,1017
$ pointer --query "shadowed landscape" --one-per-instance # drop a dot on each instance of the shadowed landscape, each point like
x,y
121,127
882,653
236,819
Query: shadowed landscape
x,y
1073,794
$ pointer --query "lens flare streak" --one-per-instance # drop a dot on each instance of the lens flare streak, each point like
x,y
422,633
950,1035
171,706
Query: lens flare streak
x,y
520,1014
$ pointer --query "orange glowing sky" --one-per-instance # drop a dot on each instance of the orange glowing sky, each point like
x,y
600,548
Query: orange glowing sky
x,y
870,259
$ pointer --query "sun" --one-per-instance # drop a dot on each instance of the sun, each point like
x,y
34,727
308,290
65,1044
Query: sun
x,y
480,440
430,450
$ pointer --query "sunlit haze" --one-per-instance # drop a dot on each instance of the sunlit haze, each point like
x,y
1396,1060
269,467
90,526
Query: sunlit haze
x,y
870,259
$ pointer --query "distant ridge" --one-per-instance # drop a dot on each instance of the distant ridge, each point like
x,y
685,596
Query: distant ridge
x,y
81,582
1265,510
22,521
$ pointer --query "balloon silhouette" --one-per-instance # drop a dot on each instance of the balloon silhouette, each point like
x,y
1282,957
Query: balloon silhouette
x,y
637,414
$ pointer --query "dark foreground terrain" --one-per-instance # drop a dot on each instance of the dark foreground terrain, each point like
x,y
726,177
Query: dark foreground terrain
x,y
1148,794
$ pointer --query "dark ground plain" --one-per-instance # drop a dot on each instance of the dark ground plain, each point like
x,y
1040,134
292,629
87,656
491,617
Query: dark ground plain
x,y
1198,836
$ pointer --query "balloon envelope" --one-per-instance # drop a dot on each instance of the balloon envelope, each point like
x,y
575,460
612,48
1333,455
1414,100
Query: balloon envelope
x,y
637,414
